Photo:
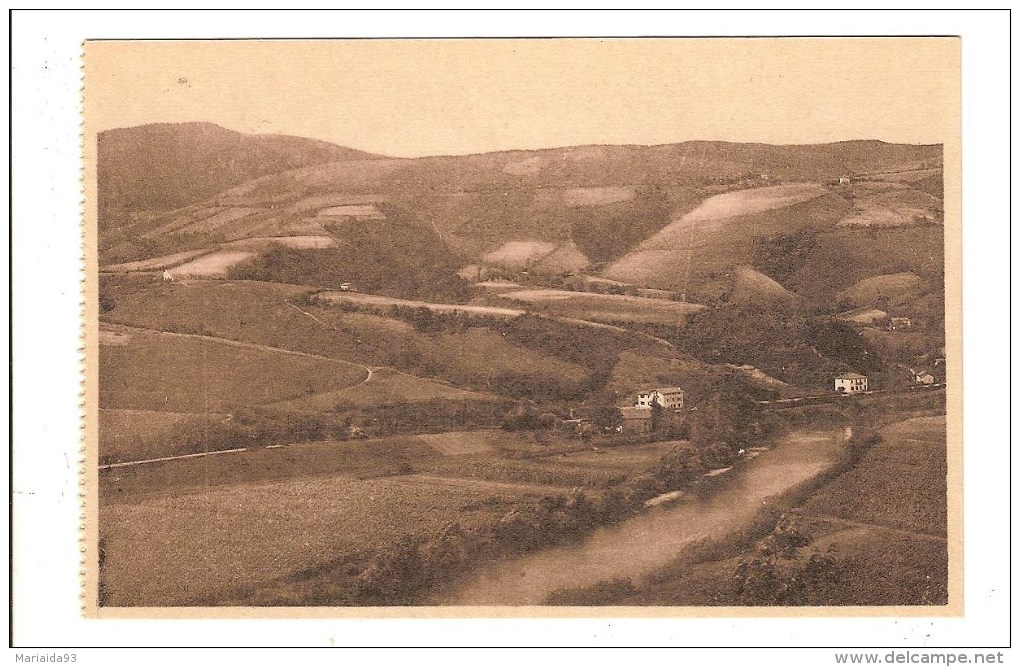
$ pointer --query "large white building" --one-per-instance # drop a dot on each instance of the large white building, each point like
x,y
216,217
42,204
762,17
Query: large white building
x,y
851,383
670,398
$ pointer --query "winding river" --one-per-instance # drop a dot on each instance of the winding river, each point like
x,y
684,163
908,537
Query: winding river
x,y
647,542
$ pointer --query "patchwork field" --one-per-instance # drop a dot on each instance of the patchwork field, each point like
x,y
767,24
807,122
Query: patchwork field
x,y
596,196
518,254
177,373
215,529
246,311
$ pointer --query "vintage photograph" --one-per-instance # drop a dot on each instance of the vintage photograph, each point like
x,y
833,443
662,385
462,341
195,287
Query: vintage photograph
x,y
535,325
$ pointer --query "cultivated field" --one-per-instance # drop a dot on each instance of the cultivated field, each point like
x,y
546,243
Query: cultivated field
x,y
893,289
299,242
214,265
246,311
604,307
744,202
156,263
383,302
203,547
710,240
518,254
216,529
178,373
893,209
387,386
900,483
129,435
754,287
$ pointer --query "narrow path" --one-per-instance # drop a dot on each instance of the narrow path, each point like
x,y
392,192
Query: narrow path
x,y
127,464
332,328
874,526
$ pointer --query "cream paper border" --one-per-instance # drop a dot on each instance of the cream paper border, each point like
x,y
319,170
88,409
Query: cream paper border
x,y
945,122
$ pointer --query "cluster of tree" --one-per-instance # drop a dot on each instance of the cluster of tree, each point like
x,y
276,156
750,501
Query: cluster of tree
x,y
781,256
607,232
332,267
525,417
596,349
803,350
404,573
428,320
431,416
778,571
398,257
566,281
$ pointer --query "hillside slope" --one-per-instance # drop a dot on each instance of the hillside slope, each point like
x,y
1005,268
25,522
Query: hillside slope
x,y
165,166
678,217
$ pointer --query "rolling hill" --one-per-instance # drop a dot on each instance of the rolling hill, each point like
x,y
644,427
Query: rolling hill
x,y
677,217
160,167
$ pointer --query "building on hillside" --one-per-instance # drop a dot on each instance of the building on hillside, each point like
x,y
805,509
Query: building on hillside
x,y
851,383
922,377
635,420
669,398
899,323
167,276
348,287
845,180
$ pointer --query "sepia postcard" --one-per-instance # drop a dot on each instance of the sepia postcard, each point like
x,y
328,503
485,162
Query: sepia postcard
x,y
522,327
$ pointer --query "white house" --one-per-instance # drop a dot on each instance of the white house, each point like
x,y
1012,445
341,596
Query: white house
x,y
670,398
922,377
851,383
167,276
844,180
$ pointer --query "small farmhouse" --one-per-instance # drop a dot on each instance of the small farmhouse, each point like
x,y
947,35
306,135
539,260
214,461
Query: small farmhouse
x,y
670,398
167,276
844,180
922,377
851,383
899,323
636,420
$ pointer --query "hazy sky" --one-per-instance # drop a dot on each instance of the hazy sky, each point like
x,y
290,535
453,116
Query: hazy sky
x,y
428,97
